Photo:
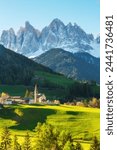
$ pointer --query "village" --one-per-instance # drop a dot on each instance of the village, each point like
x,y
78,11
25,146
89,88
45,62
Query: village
x,y
6,99
40,98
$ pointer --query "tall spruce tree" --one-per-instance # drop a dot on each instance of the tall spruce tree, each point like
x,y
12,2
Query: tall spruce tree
x,y
44,137
64,137
6,139
68,146
16,145
27,142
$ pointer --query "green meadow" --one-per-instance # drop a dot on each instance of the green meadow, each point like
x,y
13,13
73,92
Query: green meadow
x,y
82,122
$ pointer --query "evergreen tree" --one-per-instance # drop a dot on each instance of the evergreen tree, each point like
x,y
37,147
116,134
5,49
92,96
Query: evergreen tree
x,y
37,142
68,146
6,139
27,93
44,137
95,145
16,145
64,137
27,142
78,146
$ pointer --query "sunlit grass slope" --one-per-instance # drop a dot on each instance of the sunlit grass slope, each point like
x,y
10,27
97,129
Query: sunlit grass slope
x,y
83,123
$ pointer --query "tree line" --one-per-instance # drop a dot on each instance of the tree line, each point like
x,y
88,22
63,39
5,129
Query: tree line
x,y
46,137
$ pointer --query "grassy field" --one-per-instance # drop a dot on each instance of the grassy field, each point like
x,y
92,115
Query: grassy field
x,y
82,122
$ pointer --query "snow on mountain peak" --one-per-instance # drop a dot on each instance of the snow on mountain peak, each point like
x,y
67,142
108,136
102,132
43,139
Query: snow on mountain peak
x,y
31,42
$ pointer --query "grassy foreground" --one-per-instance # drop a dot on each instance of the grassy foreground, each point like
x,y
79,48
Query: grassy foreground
x,y
83,123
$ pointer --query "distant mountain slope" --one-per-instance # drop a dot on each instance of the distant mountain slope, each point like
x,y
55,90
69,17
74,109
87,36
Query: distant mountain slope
x,y
31,42
81,66
17,69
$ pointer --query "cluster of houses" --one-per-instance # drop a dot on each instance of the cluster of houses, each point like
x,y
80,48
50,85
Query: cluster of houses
x,y
37,98
19,100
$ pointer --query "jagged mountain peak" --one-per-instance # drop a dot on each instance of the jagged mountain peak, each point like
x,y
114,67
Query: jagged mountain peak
x,y
75,25
56,25
27,23
31,42
69,24
56,21
12,30
28,26
98,39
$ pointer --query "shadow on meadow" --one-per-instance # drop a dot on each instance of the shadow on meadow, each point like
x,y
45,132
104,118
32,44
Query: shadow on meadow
x,y
73,113
7,113
26,118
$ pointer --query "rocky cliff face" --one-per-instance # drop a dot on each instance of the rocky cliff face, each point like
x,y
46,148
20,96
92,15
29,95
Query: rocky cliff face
x,y
31,42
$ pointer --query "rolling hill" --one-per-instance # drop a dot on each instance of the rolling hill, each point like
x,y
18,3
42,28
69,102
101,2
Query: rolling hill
x,y
17,69
82,122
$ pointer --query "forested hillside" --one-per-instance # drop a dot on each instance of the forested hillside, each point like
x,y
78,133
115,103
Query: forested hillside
x,y
17,69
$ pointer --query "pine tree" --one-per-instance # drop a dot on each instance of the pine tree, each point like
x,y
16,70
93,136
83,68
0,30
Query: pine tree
x,y
6,139
64,137
68,146
95,145
27,142
16,145
27,93
44,137
78,146
37,142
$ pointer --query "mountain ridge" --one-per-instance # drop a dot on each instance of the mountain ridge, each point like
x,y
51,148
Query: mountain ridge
x,y
31,42
79,66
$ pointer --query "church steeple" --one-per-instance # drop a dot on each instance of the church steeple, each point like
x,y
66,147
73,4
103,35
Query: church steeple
x,y
35,93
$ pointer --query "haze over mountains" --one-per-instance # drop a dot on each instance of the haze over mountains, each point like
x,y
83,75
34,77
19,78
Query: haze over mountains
x,y
32,42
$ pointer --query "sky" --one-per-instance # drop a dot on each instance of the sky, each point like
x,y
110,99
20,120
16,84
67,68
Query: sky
x,y
14,13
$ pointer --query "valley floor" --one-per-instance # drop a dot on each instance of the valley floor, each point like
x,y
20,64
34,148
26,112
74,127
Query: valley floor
x,y
82,122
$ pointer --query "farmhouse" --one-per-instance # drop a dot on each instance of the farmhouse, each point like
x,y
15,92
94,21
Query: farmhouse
x,y
28,100
41,98
6,99
3,98
56,102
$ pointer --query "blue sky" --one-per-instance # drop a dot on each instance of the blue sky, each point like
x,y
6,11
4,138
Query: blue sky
x,y
14,13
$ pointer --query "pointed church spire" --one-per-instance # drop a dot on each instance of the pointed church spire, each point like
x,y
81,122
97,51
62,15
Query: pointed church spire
x,y
35,93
